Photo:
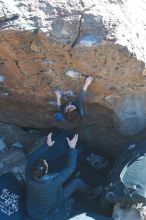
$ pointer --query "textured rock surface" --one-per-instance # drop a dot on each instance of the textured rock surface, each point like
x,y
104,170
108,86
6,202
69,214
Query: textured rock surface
x,y
11,159
45,44
135,212
16,138
15,144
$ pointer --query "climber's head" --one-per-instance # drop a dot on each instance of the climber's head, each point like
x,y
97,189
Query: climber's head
x,y
40,168
71,112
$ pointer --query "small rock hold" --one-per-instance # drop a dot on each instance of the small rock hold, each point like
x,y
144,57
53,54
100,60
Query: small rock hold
x,y
72,73
88,40
52,102
44,60
67,93
17,144
2,144
4,93
110,98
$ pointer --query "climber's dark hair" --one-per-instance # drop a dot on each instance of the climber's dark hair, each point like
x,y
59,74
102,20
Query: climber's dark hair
x,y
72,116
39,168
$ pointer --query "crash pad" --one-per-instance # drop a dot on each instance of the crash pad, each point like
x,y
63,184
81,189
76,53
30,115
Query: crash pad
x,y
12,198
93,167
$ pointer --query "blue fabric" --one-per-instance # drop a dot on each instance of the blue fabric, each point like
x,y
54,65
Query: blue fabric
x,y
56,156
79,101
43,196
59,116
12,198
76,185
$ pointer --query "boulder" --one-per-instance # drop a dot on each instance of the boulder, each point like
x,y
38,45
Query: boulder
x,y
135,212
55,43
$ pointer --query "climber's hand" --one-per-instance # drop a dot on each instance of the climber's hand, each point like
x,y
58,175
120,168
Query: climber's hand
x,y
49,140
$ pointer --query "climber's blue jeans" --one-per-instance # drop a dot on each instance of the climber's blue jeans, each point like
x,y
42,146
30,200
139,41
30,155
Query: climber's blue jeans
x,y
76,185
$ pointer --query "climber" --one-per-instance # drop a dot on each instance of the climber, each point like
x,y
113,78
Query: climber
x,y
44,190
73,111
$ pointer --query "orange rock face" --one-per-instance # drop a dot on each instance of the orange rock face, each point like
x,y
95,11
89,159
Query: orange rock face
x,y
32,67
57,44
